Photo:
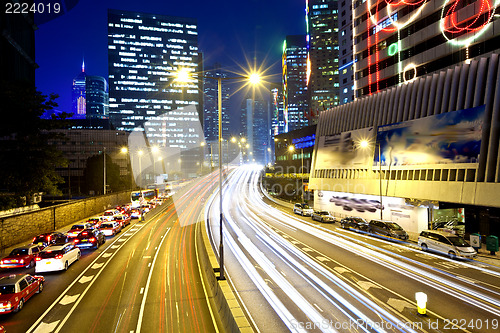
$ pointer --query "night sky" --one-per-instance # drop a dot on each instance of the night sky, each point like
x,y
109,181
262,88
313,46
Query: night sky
x,y
231,32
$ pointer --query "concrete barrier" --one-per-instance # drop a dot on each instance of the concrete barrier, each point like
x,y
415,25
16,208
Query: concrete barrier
x,y
231,314
22,227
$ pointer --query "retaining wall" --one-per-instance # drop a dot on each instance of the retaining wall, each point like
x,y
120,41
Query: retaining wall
x,y
23,227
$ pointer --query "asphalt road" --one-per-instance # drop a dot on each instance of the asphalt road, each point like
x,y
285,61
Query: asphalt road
x,y
145,279
295,275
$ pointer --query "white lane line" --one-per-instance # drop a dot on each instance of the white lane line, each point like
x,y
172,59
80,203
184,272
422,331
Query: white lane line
x,y
97,265
69,299
85,279
142,291
143,303
47,327
34,327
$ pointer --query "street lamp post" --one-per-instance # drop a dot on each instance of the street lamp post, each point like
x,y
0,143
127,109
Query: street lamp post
x,y
104,175
254,78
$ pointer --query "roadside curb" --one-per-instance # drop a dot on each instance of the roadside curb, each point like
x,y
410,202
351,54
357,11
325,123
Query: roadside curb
x,y
225,301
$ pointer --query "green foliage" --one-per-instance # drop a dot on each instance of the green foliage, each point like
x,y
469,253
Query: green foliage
x,y
94,173
28,161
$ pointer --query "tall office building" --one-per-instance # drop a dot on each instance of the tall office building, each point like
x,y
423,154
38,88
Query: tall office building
x,y
211,107
277,121
346,63
294,65
322,31
96,93
398,42
255,127
79,102
145,51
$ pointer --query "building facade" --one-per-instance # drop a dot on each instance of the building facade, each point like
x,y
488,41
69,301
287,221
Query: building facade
x,y
346,63
294,67
210,105
145,53
399,42
322,31
255,127
78,95
421,149
97,98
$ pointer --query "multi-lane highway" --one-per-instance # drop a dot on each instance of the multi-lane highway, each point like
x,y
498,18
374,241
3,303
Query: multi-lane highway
x,y
293,274
145,279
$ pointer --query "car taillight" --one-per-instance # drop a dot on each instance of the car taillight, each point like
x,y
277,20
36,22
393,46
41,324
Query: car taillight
x,y
5,305
59,256
92,239
38,258
76,240
21,261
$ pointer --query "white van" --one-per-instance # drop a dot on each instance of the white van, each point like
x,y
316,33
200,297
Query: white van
x,y
444,242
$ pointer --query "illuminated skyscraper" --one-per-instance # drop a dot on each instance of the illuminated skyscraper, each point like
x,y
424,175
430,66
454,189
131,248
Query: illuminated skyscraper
x,y
346,63
145,51
295,109
322,29
255,127
97,97
397,42
211,108
79,96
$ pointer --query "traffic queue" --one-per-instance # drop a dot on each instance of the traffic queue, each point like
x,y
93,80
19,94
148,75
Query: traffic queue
x,y
56,251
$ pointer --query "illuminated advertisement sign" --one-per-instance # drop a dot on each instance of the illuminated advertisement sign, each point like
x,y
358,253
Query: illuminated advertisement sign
x,y
343,150
452,137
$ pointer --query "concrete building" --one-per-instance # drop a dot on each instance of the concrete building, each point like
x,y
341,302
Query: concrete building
x,y
431,151
322,31
396,42
346,63
296,112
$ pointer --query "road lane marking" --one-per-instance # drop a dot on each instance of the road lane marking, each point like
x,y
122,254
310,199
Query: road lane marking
x,y
85,279
97,265
106,255
69,299
142,291
143,303
47,327
367,285
399,304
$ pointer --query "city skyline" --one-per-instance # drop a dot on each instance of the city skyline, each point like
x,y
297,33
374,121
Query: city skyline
x,y
62,43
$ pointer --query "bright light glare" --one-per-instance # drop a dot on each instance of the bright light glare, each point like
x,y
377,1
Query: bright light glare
x,y
364,144
124,150
291,148
254,78
182,75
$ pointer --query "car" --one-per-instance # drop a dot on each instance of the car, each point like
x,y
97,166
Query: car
x,y
123,219
355,223
387,229
302,209
77,228
108,214
447,243
89,238
15,290
322,216
110,228
56,258
21,257
50,238
135,213
96,221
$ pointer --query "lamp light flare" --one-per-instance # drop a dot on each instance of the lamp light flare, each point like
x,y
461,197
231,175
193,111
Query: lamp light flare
x,y
254,78
182,75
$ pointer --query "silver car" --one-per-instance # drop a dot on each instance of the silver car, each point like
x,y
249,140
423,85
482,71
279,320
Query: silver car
x,y
447,243
322,216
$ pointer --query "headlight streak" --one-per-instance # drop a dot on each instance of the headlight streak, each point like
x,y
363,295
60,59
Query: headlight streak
x,y
412,272
301,270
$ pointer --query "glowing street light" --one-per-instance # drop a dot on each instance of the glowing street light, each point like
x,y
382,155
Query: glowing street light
x,y
183,75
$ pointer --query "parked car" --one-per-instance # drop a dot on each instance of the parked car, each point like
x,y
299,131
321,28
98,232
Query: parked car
x,y
21,257
444,242
355,223
56,258
387,228
15,290
110,228
302,209
89,238
77,228
322,216
50,238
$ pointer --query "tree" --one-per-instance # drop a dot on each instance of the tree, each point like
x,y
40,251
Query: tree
x,y
28,162
94,172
